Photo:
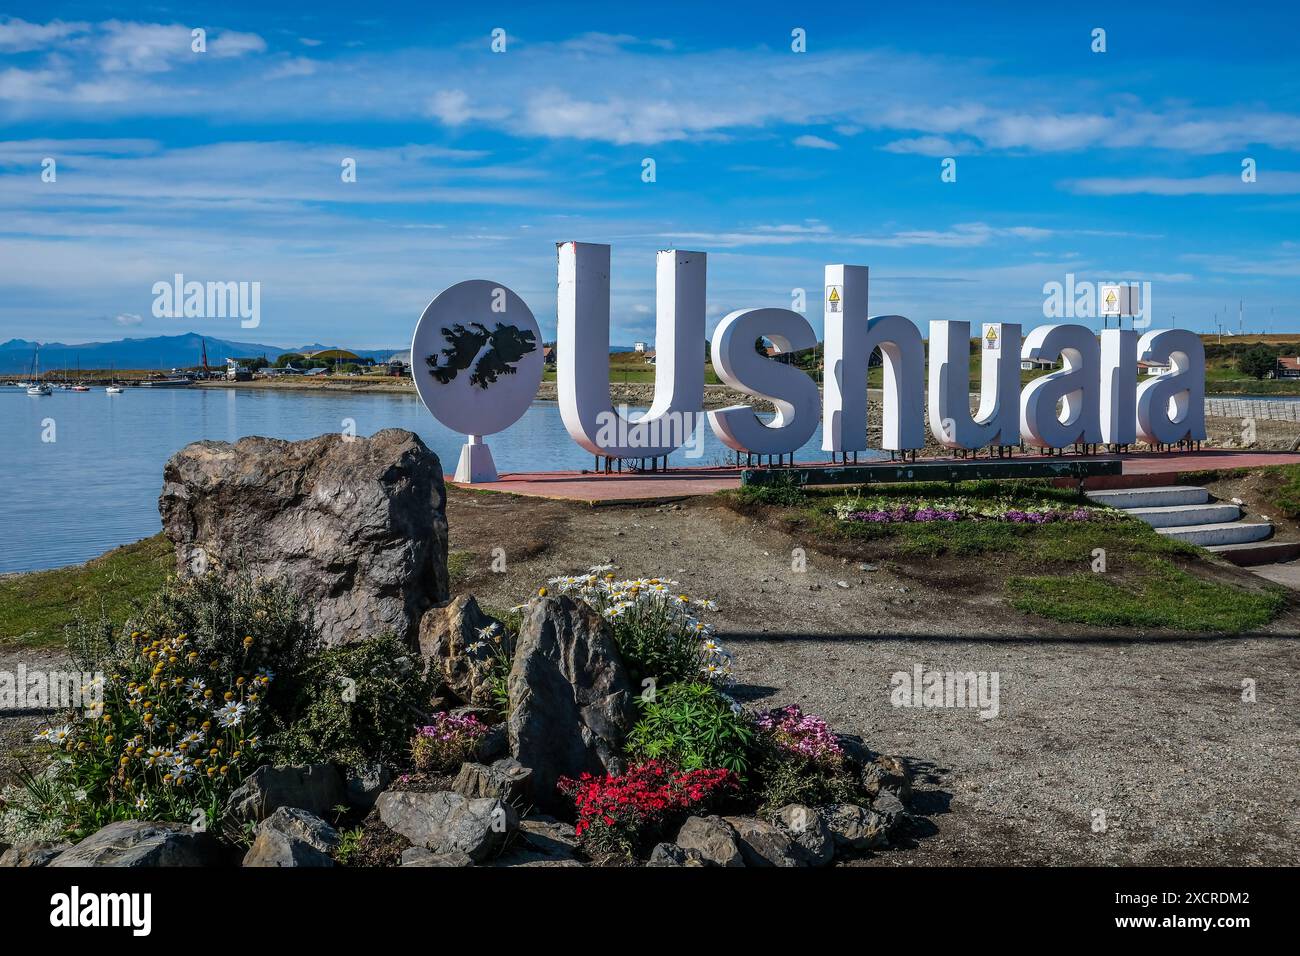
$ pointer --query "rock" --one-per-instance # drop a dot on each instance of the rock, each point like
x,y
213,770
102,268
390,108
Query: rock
x,y
422,856
810,832
493,744
713,838
446,821
670,854
364,786
357,526
548,835
36,853
459,644
522,856
891,811
317,788
291,837
132,843
766,844
888,774
570,700
856,827
506,780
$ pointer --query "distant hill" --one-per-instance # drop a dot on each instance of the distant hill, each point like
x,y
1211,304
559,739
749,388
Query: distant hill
x,y
159,352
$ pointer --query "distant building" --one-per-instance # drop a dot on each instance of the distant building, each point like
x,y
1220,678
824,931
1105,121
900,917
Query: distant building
x,y
1288,366
548,354
1153,368
649,355
1035,365
639,347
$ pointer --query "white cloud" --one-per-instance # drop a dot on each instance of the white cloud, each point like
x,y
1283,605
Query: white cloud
x,y
20,36
128,319
450,107
1268,184
924,146
296,66
808,141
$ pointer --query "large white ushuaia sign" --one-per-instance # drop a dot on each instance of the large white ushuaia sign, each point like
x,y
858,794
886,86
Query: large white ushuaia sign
x,y
476,358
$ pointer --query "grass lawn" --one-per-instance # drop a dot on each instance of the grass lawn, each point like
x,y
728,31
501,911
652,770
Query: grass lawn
x,y
1149,581
1163,596
35,607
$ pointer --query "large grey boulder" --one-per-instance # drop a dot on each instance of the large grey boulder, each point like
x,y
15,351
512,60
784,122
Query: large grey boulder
x,y
317,788
766,844
358,527
291,837
131,843
713,838
460,645
571,703
444,822
34,854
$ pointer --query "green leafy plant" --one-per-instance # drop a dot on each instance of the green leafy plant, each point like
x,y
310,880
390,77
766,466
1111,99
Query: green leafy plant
x,y
356,705
349,844
692,726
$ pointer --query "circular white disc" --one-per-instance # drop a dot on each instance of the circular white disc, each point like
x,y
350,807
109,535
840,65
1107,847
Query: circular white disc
x,y
476,357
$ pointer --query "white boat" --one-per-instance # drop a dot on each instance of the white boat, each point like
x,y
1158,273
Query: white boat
x,y
37,387
114,389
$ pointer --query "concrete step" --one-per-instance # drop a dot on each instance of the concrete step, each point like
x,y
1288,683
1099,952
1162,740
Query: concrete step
x,y
1160,496
1229,532
1182,516
1257,552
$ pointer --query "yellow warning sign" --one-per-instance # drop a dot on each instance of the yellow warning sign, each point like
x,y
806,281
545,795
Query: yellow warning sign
x,y
991,338
1111,298
833,298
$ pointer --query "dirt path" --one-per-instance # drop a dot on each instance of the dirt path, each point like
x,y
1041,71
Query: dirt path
x,y
1153,732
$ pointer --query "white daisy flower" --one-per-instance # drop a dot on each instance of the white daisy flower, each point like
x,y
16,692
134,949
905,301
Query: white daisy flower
x,y
231,714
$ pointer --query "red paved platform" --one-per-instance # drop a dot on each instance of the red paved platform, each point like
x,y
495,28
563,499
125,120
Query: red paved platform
x,y
629,488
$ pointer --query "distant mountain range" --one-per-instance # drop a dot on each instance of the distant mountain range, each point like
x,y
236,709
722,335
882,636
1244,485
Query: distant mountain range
x,y
159,352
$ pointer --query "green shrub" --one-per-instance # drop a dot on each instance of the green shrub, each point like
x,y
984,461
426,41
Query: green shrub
x,y
169,731
217,613
802,760
785,779
693,727
782,494
356,705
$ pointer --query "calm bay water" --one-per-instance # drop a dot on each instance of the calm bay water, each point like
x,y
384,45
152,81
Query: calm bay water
x,y
96,486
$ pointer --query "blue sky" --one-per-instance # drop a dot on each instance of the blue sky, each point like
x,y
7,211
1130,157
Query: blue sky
x,y
472,164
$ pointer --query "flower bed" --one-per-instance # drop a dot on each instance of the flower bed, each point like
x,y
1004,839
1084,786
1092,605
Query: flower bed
x,y
622,814
447,742
884,510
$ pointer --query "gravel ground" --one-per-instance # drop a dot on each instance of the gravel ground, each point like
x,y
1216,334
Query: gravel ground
x,y
1152,731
